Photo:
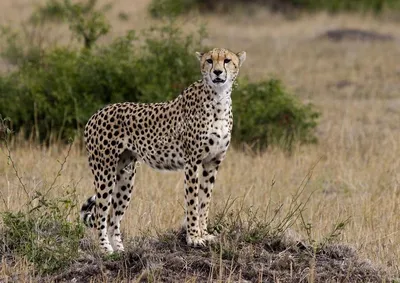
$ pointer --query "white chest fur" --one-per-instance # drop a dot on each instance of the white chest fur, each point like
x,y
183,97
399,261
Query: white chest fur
x,y
219,133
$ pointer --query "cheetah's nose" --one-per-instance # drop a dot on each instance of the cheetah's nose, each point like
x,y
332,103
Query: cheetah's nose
x,y
217,72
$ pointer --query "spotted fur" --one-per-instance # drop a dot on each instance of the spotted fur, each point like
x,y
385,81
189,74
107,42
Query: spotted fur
x,y
191,132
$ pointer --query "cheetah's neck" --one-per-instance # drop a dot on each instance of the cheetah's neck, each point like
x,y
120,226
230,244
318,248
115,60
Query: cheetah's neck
x,y
219,95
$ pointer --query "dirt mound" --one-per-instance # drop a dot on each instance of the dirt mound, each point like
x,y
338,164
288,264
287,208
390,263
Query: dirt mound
x,y
355,34
167,258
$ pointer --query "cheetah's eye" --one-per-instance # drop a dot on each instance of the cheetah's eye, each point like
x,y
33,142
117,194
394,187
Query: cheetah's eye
x,y
209,61
226,61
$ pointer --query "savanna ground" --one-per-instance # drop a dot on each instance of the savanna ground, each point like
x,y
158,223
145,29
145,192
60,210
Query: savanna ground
x,y
354,168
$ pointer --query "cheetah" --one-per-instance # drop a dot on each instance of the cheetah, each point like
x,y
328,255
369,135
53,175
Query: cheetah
x,y
191,132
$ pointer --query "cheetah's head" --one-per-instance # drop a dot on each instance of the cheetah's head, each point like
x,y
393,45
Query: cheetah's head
x,y
220,66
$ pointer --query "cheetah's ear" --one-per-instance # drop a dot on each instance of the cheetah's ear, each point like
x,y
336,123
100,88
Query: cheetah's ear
x,y
242,56
199,55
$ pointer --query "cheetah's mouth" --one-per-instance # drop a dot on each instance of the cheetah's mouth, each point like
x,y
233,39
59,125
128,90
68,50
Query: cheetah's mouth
x,y
218,81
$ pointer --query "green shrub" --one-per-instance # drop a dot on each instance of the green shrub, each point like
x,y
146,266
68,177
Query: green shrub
x,y
87,22
58,95
166,63
344,5
160,8
15,50
53,97
172,8
55,94
265,114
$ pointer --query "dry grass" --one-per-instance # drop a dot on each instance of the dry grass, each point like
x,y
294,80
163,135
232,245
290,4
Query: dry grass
x,y
357,173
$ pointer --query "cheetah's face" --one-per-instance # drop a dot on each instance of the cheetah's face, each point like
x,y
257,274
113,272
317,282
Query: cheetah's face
x,y
220,67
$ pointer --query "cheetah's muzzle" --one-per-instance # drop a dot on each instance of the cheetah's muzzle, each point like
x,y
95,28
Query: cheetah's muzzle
x,y
219,81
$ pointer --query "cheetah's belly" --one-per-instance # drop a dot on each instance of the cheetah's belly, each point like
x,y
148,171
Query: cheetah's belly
x,y
163,155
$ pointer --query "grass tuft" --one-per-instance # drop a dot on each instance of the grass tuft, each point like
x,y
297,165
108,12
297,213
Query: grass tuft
x,y
43,230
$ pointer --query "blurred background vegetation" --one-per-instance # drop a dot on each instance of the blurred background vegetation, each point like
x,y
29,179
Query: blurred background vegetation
x,y
159,8
52,90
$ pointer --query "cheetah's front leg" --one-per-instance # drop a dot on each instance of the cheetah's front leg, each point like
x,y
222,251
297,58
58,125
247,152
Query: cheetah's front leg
x,y
207,180
193,236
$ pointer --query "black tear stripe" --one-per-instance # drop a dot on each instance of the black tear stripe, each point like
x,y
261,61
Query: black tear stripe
x,y
234,64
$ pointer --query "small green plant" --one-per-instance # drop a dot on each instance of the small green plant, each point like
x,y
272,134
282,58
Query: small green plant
x,y
265,114
44,236
252,226
44,230
265,227
330,237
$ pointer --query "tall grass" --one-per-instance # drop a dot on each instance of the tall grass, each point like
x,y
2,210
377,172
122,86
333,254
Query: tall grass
x,y
42,230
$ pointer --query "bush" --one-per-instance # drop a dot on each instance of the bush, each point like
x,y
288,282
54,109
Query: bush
x,y
160,8
376,6
172,8
58,95
57,98
54,96
265,114
166,64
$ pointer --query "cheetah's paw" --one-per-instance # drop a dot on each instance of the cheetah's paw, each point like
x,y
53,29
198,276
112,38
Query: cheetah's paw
x,y
210,238
195,241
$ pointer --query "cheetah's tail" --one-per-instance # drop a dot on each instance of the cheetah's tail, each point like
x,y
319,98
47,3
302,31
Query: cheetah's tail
x,y
87,214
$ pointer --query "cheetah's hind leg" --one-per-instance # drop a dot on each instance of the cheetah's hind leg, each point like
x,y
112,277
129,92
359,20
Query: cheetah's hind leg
x,y
88,211
121,197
